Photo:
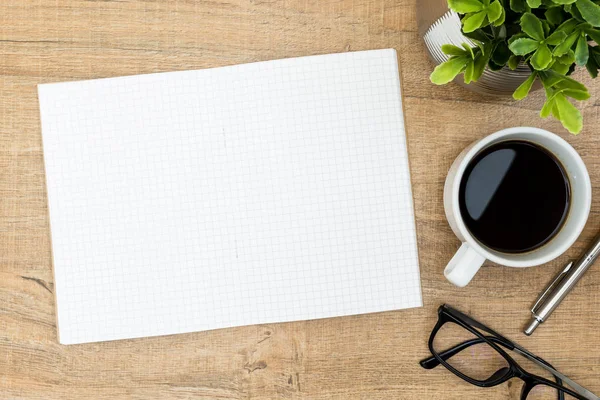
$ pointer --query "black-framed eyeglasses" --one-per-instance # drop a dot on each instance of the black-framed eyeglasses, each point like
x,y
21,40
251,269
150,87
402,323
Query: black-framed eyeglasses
x,y
477,354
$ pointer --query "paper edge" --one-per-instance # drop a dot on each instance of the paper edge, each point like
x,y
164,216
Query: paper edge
x,y
410,180
229,66
41,95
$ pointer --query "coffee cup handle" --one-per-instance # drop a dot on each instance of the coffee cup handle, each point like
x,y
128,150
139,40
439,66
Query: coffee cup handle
x,y
463,266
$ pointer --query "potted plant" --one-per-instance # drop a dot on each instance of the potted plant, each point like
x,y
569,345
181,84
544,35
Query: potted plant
x,y
550,37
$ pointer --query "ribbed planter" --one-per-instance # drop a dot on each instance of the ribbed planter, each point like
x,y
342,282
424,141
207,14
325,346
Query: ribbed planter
x,y
438,25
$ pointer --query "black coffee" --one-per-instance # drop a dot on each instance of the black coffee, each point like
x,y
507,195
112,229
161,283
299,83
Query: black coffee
x,y
514,196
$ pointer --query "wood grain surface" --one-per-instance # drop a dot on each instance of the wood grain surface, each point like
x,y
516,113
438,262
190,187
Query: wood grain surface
x,y
364,357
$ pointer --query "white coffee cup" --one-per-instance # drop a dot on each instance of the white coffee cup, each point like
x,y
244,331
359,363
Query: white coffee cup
x,y
472,254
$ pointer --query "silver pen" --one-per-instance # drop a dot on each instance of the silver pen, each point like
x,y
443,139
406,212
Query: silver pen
x,y
566,280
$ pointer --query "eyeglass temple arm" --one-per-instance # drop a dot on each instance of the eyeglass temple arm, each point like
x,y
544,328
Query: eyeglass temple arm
x,y
474,323
543,364
432,362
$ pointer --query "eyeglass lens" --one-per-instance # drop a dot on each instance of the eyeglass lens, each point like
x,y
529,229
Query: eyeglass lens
x,y
480,361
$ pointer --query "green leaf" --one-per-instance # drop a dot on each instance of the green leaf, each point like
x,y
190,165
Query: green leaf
x,y
542,58
566,45
590,11
556,38
534,3
580,95
592,67
555,15
523,90
500,32
555,112
564,1
547,108
531,25
494,67
500,21
468,76
479,36
472,22
479,65
469,50
565,82
520,35
513,62
465,6
569,114
582,53
501,53
561,68
551,79
595,53
518,6
486,48
521,47
480,45
494,11
570,83
452,50
447,71
568,58
546,26
574,11
568,26
594,34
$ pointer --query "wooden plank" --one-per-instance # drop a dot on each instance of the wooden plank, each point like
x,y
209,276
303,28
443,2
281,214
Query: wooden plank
x,y
365,357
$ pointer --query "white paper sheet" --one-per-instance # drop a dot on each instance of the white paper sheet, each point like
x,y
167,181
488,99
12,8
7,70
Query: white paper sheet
x,y
258,193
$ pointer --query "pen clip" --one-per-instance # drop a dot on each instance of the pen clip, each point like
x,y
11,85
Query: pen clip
x,y
551,287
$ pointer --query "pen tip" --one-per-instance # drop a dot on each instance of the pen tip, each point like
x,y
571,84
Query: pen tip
x,y
532,327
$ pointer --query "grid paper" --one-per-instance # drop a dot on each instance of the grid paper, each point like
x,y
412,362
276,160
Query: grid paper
x,y
267,192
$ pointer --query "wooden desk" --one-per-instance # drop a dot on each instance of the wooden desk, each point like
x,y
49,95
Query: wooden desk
x,y
366,357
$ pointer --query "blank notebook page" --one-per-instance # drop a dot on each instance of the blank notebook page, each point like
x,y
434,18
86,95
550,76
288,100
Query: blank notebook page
x,y
258,193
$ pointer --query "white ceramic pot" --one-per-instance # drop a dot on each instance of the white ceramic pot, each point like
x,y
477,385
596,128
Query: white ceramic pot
x,y
438,26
